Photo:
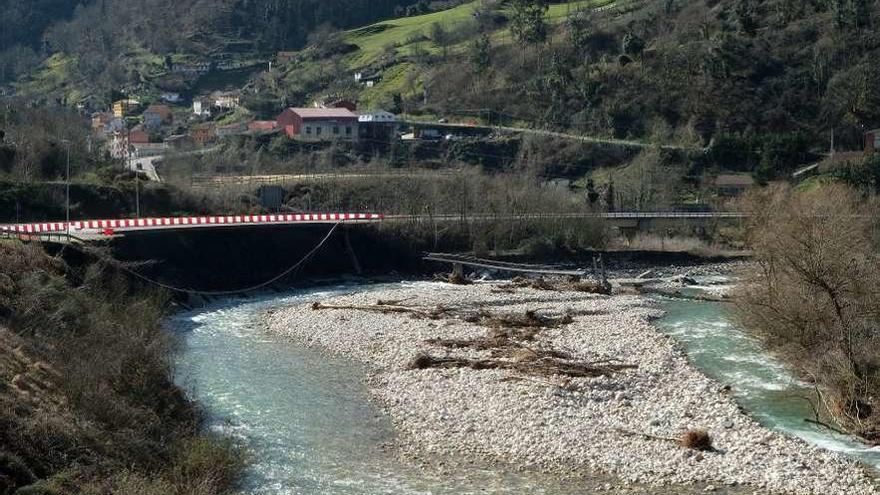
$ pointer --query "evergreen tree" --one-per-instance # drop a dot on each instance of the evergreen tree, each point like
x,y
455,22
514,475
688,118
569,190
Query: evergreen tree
x,y
527,20
481,56
580,28
747,16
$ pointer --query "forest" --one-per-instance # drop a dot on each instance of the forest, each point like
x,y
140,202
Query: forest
x,y
103,34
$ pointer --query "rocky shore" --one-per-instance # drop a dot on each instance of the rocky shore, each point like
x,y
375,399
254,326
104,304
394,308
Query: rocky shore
x,y
622,421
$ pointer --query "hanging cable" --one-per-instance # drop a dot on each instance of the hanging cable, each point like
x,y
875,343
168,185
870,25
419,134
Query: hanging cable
x,y
172,288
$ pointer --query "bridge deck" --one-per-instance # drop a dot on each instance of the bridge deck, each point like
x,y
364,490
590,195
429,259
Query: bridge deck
x,y
110,227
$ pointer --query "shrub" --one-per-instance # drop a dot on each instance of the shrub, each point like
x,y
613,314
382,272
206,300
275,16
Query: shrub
x,y
813,293
90,350
697,440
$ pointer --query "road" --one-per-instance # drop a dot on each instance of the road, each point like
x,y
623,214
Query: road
x,y
148,164
553,134
280,179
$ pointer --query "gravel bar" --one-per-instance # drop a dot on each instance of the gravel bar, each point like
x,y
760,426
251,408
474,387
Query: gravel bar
x,y
587,426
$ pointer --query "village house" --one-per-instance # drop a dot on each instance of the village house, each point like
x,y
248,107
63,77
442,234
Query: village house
x,y
367,80
103,123
118,145
138,135
317,124
171,97
202,107
155,116
125,108
226,100
377,117
732,185
377,125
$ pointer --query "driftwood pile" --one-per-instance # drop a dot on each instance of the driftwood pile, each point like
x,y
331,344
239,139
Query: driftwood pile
x,y
507,335
570,284
456,278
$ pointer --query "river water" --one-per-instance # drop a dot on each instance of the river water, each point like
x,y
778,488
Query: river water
x,y
761,384
312,429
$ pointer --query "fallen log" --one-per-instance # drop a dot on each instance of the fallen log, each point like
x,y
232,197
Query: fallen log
x,y
541,366
573,285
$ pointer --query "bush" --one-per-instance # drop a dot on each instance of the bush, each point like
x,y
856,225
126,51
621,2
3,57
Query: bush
x,y
814,293
14,472
697,440
90,352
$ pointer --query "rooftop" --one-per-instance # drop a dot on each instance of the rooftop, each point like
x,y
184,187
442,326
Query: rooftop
x,y
324,113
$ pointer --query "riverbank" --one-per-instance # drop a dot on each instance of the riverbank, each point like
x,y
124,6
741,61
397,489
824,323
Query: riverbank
x,y
87,401
533,420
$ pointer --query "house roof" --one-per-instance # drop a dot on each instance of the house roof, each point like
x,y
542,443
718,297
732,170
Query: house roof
x,y
377,112
324,113
162,110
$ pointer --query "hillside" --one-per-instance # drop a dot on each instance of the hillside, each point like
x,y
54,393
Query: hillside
x,y
100,48
765,83
735,86
88,404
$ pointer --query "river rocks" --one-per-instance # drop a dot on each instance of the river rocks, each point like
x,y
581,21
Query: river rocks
x,y
624,423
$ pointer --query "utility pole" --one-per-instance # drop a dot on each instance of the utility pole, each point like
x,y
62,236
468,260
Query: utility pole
x,y
67,186
137,194
832,142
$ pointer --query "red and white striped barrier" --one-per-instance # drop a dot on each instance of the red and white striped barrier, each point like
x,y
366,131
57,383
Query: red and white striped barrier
x,y
111,227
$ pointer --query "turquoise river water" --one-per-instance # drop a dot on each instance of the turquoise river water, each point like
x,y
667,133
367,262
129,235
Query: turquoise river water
x,y
312,429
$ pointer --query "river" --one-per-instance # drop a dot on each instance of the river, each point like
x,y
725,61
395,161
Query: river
x,y
312,429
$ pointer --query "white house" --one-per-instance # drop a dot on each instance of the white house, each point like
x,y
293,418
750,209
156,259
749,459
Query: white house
x,y
367,80
226,101
202,107
377,117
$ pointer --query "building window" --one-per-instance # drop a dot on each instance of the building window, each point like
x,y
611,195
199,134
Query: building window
x,y
318,130
348,130
308,129
335,129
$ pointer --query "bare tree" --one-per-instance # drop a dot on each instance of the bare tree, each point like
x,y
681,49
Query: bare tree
x,y
814,292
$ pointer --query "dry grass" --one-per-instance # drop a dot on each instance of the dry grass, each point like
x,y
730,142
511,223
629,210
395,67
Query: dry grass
x,y
697,440
89,390
644,241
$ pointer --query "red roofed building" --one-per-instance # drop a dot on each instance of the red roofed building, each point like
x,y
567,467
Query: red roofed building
x,y
318,124
138,135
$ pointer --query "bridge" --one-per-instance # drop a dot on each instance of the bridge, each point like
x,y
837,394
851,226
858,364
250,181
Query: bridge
x,y
91,230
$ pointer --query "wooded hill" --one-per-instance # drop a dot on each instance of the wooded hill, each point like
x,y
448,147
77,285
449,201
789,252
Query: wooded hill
x,y
673,71
75,49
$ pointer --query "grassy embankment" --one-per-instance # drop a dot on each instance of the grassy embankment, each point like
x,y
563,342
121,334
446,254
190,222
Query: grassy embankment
x,y
393,42
87,401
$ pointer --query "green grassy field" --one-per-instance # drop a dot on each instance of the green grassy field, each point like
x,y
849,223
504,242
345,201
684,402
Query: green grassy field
x,y
406,36
374,40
